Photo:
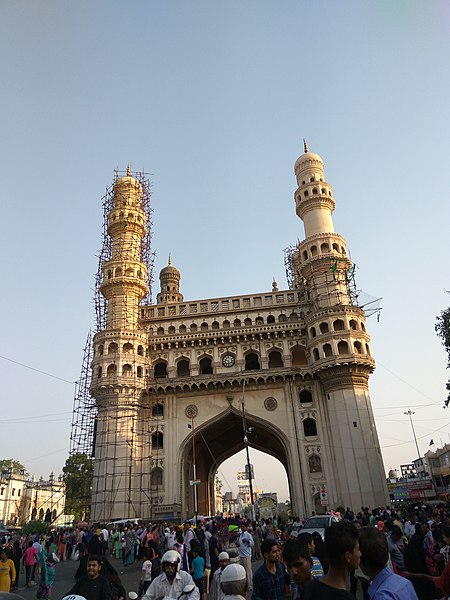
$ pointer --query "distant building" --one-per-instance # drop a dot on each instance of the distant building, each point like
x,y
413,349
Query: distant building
x,y
415,483
23,500
439,468
11,491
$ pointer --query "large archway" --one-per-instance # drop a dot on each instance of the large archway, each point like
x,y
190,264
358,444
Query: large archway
x,y
215,441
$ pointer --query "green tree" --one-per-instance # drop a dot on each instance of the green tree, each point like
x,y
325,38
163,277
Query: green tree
x,y
38,527
77,474
442,328
17,468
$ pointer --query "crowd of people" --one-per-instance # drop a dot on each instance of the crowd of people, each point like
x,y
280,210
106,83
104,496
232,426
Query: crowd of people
x,y
405,551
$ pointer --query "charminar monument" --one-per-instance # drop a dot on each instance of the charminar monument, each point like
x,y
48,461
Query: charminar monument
x,y
172,380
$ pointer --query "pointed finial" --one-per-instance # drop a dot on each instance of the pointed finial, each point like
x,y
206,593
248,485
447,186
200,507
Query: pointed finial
x,y
274,285
305,146
129,170
169,262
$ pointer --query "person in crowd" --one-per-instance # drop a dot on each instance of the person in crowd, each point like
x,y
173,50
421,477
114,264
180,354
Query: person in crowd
x,y
189,535
396,547
214,550
342,547
298,563
116,543
385,584
224,560
108,571
28,560
48,560
257,539
94,585
130,545
146,571
245,542
198,571
410,526
441,582
36,567
416,562
269,581
234,582
307,539
319,550
7,571
172,581
16,555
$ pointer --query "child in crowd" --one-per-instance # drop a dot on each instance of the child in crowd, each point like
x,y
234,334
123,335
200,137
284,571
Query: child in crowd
x,y
198,572
146,572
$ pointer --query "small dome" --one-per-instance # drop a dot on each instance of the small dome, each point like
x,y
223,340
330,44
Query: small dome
x,y
128,181
169,269
305,160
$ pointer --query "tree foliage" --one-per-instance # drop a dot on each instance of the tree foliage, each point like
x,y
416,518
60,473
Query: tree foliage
x,y
77,473
442,328
17,468
38,527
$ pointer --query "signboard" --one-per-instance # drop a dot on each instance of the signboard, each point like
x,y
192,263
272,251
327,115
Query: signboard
x,y
194,482
248,473
323,497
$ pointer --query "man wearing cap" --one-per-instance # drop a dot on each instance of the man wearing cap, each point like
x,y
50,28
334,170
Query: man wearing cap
x,y
234,582
224,560
246,544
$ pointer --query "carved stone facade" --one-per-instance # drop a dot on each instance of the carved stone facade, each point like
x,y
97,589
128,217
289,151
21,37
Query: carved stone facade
x,y
178,371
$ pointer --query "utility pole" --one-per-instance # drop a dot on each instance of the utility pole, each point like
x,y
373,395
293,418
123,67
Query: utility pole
x,y
410,413
249,466
194,473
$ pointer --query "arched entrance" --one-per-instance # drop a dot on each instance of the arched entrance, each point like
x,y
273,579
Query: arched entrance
x,y
215,441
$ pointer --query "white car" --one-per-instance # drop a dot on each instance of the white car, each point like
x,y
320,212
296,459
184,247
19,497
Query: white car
x,y
318,523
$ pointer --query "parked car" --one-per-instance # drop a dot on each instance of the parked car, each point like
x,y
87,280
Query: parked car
x,y
319,523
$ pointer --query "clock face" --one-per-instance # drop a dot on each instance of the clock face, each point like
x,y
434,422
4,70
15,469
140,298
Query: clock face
x,y
228,360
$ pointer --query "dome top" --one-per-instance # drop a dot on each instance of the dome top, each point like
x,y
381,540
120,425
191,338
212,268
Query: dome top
x,y
128,180
304,161
169,269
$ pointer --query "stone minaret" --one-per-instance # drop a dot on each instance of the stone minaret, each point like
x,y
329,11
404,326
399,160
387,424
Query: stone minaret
x,y
120,362
169,278
337,343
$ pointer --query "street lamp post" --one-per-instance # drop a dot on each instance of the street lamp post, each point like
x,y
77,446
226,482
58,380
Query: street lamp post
x,y
249,466
410,412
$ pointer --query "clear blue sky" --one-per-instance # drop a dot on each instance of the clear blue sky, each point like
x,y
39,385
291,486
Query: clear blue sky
x,y
213,99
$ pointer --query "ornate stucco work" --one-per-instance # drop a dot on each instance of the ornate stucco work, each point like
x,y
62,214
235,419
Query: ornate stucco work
x,y
300,358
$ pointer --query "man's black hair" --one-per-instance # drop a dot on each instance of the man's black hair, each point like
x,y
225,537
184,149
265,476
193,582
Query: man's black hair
x,y
95,557
305,537
340,538
267,545
374,547
293,549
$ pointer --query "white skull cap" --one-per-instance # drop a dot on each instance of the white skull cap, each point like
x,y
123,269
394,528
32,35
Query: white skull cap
x,y
233,572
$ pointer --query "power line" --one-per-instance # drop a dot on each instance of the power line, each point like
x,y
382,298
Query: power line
x,y
37,370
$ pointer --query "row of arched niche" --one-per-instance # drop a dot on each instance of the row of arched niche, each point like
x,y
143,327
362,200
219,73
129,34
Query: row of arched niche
x,y
226,324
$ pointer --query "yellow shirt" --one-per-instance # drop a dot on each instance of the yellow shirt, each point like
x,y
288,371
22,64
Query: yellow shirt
x,y
7,575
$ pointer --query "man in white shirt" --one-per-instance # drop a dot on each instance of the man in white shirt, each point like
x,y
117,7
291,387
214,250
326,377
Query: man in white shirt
x,y
246,544
171,582
410,526
224,561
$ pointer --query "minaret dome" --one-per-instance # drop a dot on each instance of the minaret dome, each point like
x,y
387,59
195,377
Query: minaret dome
x,y
169,278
